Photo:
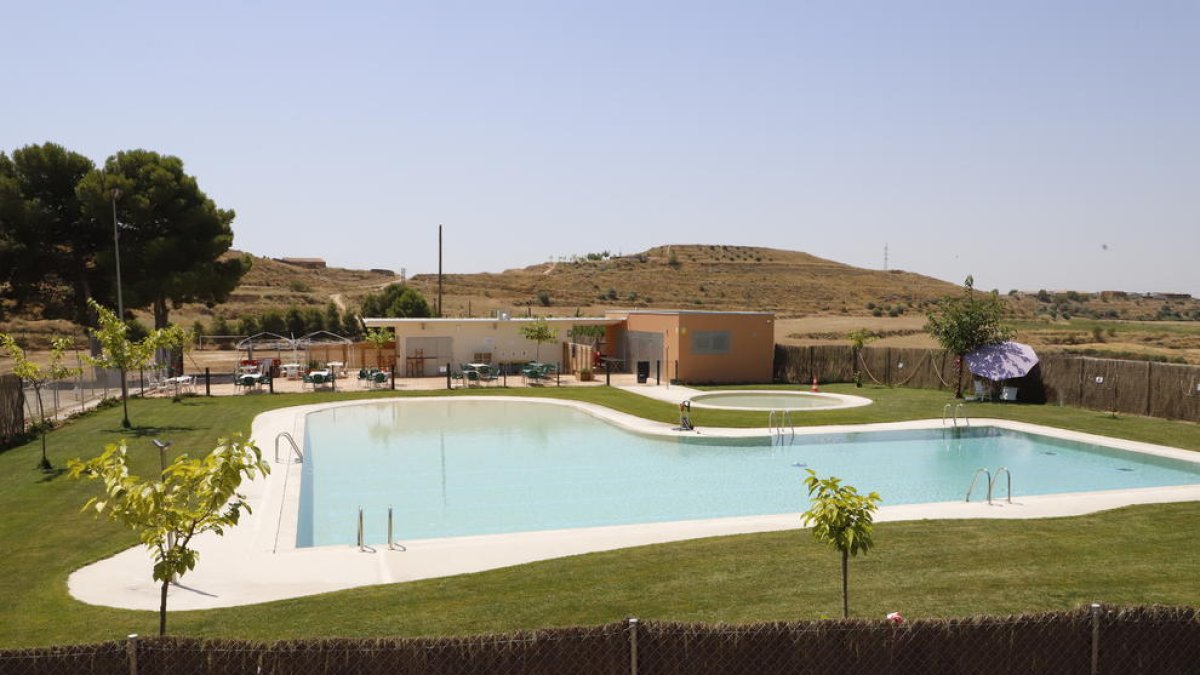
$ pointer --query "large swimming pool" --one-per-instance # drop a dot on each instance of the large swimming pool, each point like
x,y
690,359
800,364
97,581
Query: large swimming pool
x,y
465,467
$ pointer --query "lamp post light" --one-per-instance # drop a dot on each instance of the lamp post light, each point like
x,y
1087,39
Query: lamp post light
x,y
116,193
162,462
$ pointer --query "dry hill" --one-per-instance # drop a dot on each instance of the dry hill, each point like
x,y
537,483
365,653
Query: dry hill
x,y
788,283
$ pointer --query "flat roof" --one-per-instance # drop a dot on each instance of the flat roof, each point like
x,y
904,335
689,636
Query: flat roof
x,y
383,320
709,312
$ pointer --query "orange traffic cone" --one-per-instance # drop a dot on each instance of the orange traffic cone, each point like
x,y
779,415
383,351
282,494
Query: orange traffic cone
x,y
814,387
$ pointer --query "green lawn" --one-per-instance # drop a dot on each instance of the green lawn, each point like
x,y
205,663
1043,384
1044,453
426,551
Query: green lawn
x,y
936,568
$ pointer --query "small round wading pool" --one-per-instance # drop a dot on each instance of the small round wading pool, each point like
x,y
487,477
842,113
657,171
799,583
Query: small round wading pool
x,y
776,400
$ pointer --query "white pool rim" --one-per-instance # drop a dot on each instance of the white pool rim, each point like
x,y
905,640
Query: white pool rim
x,y
844,400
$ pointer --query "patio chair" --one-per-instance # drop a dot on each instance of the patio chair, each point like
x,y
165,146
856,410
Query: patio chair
x,y
488,374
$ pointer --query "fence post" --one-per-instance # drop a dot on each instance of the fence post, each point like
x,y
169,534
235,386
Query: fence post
x,y
448,386
1149,369
207,383
658,372
1095,638
131,653
633,646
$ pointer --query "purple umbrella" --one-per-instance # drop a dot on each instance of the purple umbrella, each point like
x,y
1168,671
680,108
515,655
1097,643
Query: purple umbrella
x,y
1002,361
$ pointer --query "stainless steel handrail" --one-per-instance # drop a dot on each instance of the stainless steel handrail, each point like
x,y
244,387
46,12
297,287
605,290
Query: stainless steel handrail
x,y
975,479
1008,475
292,441
784,426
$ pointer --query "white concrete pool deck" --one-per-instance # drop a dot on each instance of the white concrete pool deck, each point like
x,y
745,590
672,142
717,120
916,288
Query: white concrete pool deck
x,y
258,561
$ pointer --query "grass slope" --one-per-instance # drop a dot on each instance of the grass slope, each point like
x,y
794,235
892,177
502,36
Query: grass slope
x,y
1142,554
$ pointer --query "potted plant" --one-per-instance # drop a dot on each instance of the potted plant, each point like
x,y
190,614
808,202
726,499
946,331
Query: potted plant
x,y
585,375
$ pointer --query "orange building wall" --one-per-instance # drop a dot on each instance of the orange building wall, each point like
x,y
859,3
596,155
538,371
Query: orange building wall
x,y
751,351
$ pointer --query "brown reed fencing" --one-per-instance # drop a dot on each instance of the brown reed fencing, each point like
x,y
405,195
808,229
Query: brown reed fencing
x,y
1090,640
1166,390
12,409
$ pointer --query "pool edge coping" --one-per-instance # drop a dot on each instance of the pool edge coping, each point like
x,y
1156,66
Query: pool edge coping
x,y
259,562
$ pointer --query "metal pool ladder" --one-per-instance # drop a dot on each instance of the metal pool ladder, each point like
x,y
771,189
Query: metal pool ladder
x,y
780,423
291,441
991,483
950,411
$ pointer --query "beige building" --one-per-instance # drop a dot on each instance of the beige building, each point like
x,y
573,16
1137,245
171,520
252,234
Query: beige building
x,y
425,346
669,345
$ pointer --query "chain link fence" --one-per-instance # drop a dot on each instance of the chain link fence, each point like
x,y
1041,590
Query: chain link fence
x,y
1088,641
69,396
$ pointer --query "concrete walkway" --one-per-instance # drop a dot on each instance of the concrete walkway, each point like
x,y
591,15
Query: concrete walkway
x,y
258,562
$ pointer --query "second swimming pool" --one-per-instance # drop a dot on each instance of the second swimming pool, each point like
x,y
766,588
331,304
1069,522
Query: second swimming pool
x,y
465,467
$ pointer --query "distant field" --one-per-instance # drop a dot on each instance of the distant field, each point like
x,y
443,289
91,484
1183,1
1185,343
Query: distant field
x,y
1169,341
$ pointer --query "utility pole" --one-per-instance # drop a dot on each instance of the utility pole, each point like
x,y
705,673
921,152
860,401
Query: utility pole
x,y
439,271
885,260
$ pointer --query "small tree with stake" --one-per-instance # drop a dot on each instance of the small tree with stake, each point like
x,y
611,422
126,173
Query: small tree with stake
x,y
191,496
380,338
841,518
961,324
539,331
118,351
858,337
37,377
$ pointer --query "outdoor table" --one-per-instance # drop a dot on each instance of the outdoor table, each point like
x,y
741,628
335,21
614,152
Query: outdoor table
x,y
249,380
290,370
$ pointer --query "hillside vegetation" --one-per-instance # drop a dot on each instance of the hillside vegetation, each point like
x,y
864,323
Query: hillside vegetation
x,y
789,283
816,300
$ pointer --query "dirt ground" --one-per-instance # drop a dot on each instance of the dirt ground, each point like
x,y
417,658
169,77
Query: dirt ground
x,y
900,331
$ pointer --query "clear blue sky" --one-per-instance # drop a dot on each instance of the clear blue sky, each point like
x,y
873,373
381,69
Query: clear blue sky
x,y
1032,144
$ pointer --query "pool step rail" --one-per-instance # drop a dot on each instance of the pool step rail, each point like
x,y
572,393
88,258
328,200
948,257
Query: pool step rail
x,y
291,441
991,482
782,429
950,412
393,545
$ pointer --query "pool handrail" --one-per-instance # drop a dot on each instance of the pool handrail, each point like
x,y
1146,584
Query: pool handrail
x,y
290,440
975,479
1008,474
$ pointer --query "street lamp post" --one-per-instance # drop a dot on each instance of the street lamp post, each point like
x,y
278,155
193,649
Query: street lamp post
x,y
116,193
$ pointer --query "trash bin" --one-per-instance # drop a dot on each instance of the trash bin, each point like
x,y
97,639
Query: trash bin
x,y
643,371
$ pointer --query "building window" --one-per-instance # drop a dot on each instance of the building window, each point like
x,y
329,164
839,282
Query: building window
x,y
710,342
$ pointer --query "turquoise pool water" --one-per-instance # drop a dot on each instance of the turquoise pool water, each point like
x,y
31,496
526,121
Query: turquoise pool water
x,y
455,467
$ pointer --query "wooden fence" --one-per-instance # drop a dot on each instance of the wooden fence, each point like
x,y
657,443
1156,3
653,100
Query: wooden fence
x,y
1165,390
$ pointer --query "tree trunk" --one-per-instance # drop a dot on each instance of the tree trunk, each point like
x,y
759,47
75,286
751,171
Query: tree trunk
x,y
161,312
162,609
37,391
845,585
124,401
958,359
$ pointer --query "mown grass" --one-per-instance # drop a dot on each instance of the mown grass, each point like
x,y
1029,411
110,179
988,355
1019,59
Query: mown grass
x,y
936,568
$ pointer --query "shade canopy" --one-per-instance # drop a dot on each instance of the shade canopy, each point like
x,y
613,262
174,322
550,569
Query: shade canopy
x,y
1002,361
